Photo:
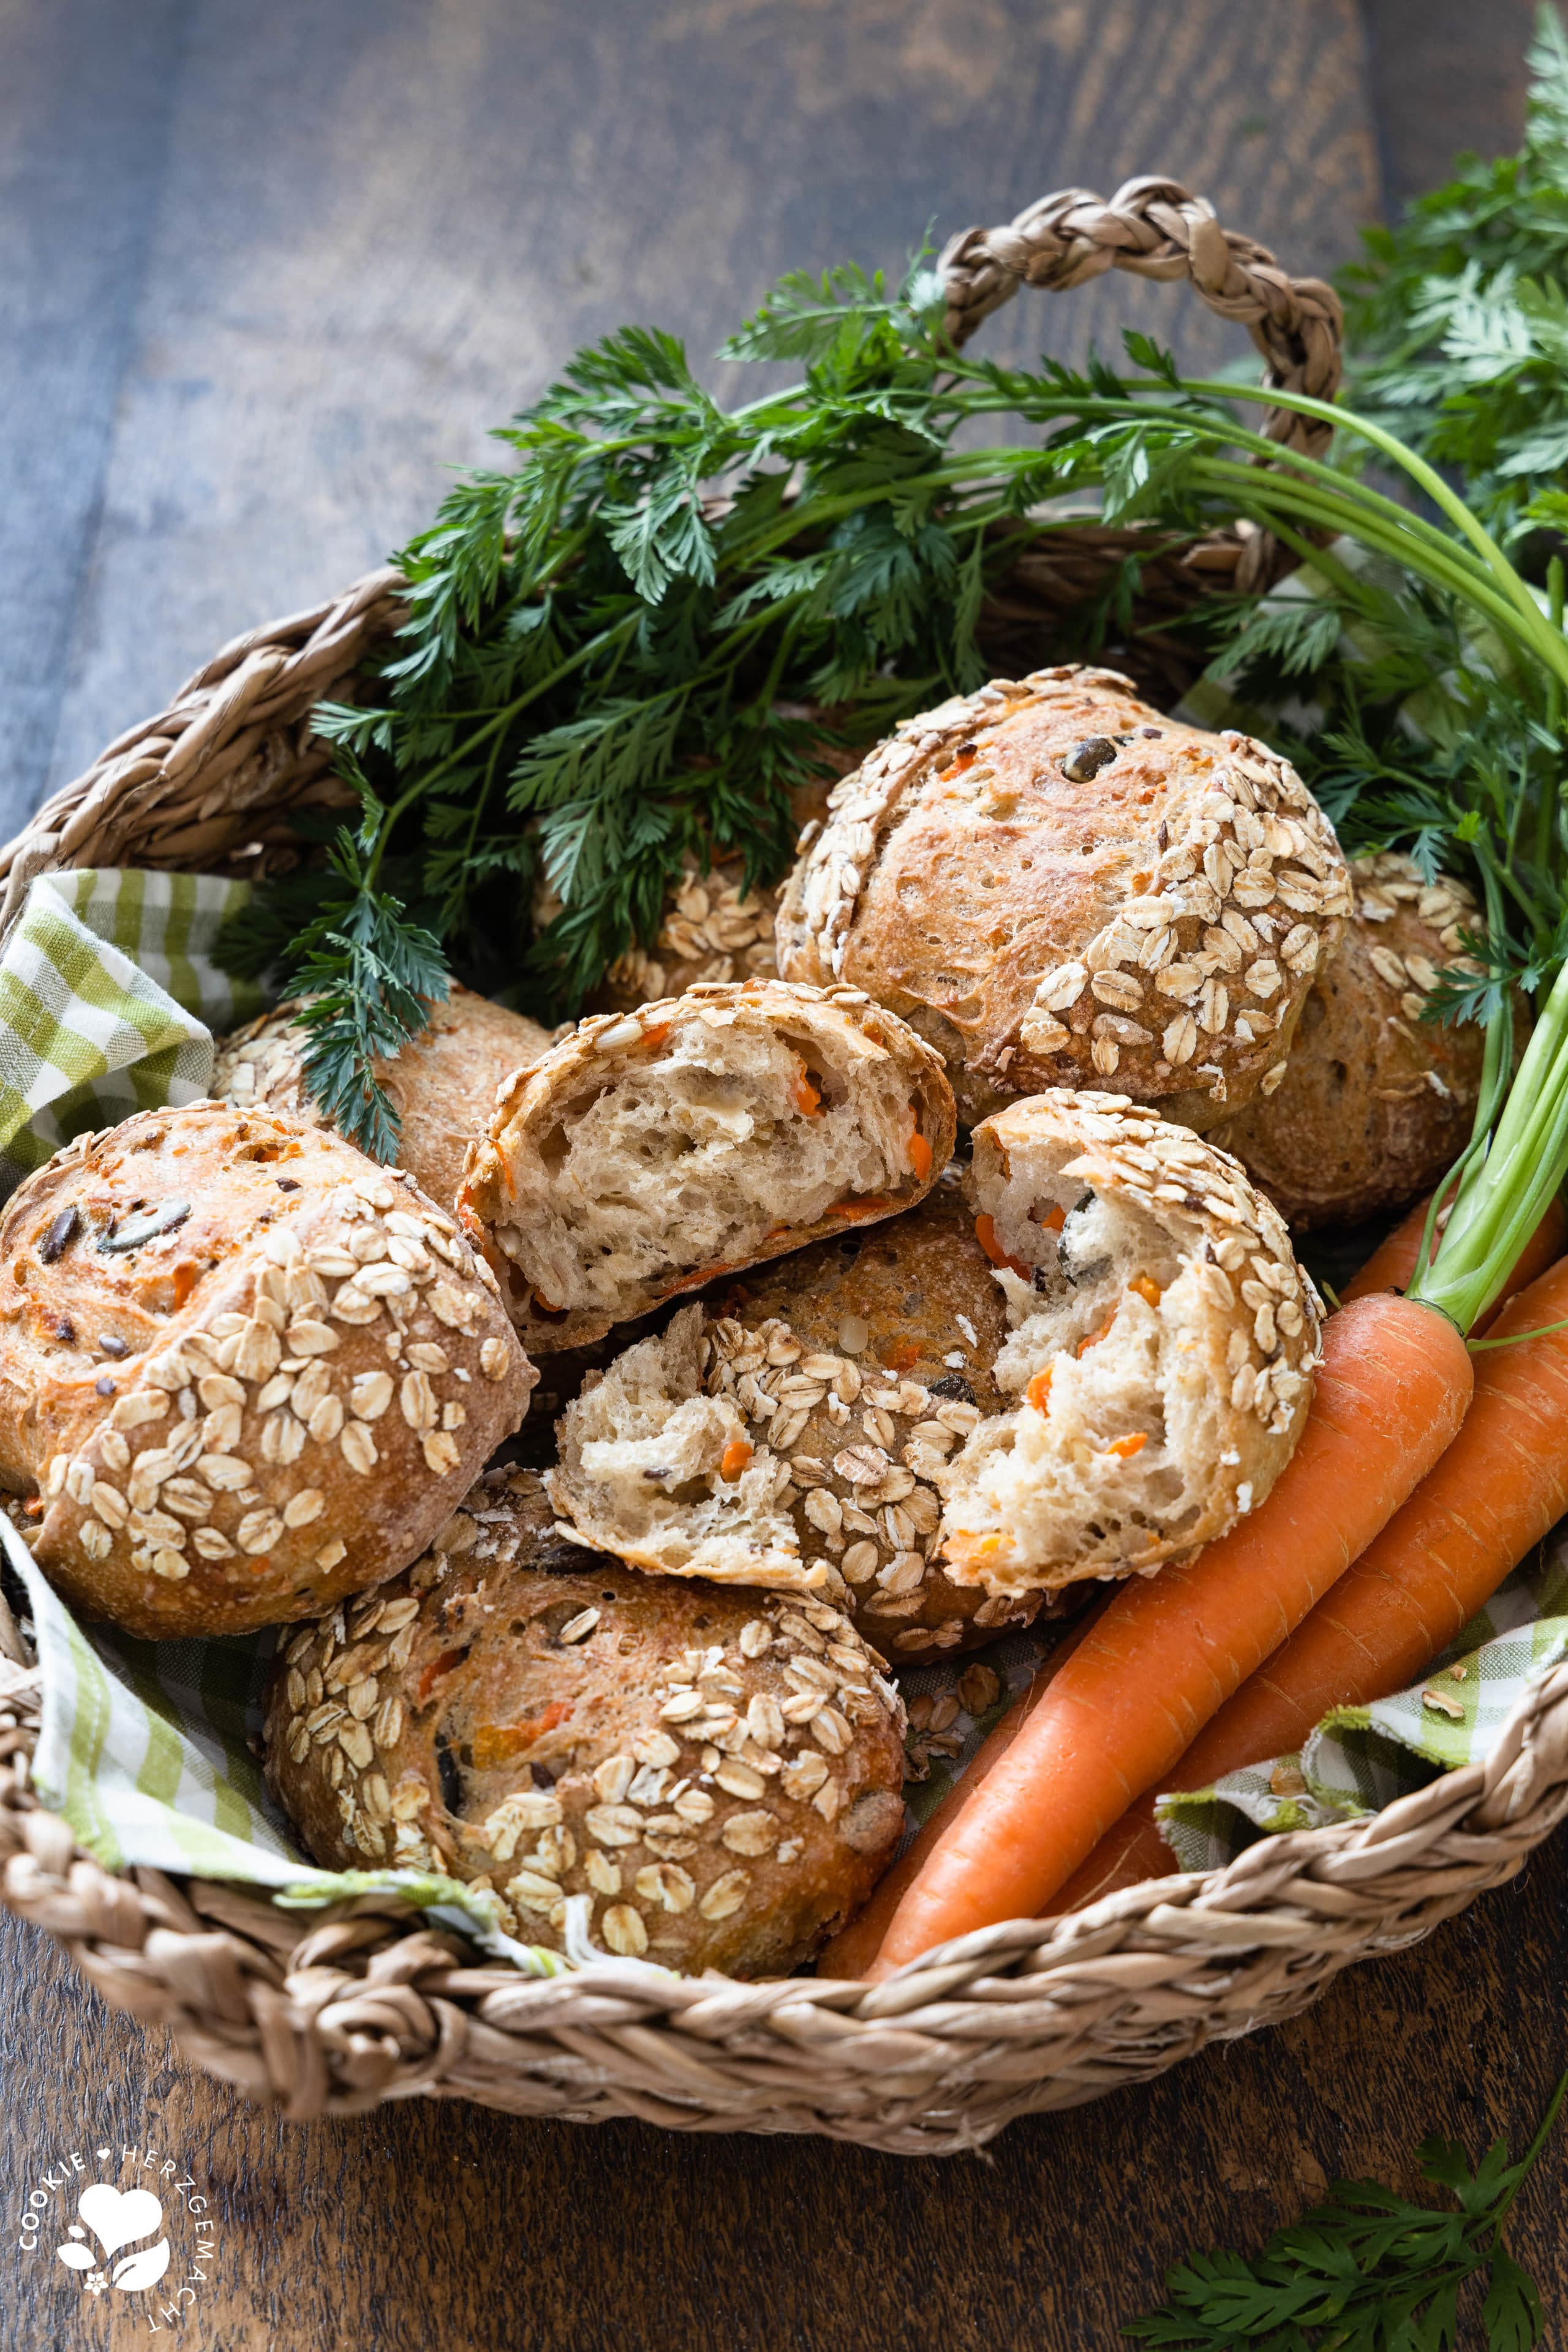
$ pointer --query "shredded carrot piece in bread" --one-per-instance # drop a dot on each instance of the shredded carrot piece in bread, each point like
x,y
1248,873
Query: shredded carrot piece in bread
x,y
985,1235
1128,1446
807,1101
901,1358
437,1668
736,1455
1040,1389
920,1156
1095,1338
500,1743
1146,1289
875,1204
1054,1219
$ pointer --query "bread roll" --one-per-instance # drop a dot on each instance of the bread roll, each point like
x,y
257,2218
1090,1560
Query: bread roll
x,y
848,1374
443,1084
1162,1354
650,1153
1056,886
713,1777
1373,1103
248,1371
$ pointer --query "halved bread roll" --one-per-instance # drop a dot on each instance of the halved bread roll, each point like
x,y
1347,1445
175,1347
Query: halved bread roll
x,y
794,1437
652,1151
1163,1348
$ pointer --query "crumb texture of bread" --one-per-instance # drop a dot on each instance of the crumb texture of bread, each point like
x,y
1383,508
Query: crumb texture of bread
x,y
1058,885
655,1470
1374,1101
1162,1353
442,1085
615,1762
768,1444
243,1369
651,1153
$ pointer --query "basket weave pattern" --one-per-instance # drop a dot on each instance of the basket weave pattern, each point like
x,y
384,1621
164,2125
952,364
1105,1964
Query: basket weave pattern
x,y
330,2016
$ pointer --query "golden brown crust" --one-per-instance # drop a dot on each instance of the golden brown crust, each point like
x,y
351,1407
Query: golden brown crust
x,y
1374,1102
509,1200
714,1776
1058,885
904,1324
443,1084
247,1369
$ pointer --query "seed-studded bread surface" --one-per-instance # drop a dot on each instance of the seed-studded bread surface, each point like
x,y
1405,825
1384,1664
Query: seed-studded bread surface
x,y
1058,885
711,1778
1163,1355
853,1371
247,1369
1373,1103
443,1084
648,1154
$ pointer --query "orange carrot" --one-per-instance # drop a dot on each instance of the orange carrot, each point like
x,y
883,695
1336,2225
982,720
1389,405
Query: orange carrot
x,y
734,1458
1168,1652
1393,1261
1502,1484
1499,1487
851,1952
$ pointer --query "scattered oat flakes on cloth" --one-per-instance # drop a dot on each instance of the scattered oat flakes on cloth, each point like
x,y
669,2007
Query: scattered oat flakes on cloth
x,y
109,998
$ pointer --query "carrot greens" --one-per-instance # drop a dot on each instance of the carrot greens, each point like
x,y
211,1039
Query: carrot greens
x,y
627,646
1368,2271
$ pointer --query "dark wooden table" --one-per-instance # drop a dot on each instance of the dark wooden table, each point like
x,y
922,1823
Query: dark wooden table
x,y
263,274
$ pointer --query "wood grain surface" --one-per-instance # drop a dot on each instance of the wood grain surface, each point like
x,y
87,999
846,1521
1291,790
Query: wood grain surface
x,y
264,273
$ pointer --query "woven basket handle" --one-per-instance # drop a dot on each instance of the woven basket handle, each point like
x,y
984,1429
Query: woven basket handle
x,y
1156,228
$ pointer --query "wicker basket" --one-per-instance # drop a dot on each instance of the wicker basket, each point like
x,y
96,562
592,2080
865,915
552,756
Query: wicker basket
x,y
331,2016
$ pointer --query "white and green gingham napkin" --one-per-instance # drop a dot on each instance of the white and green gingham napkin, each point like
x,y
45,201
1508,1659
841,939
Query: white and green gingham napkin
x,y
109,997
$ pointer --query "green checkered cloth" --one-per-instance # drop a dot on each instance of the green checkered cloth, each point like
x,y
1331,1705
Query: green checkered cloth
x,y
109,995
109,999
1360,1758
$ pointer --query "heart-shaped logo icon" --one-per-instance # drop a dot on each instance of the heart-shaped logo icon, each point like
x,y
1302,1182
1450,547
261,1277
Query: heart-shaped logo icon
x,y
119,2217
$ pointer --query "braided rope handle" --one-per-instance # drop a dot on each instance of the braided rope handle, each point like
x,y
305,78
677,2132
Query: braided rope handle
x,y
1156,228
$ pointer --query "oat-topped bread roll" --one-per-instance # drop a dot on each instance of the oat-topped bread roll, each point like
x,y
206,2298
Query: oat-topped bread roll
x,y
1163,1355
648,1153
1372,1102
443,1084
802,1428
249,1370
714,1776
1058,885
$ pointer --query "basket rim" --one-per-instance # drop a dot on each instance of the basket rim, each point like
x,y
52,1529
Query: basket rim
x,y
327,2014
330,2012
